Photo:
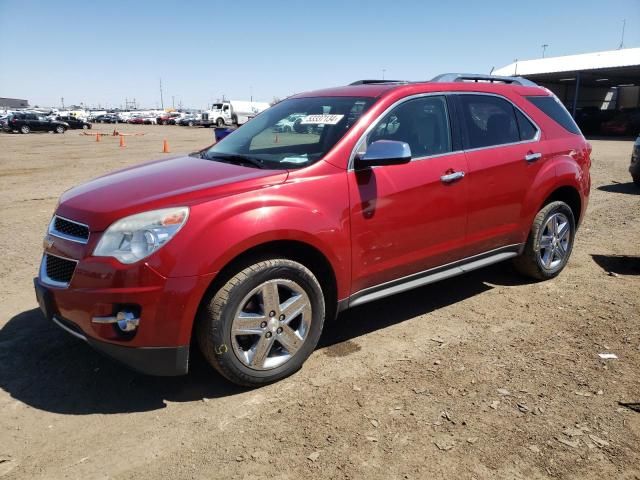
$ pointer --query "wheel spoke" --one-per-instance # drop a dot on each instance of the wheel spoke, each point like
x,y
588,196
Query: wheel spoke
x,y
563,231
262,350
293,307
289,339
545,241
554,225
248,324
270,298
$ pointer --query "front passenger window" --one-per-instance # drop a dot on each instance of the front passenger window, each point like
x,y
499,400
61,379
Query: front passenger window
x,y
423,123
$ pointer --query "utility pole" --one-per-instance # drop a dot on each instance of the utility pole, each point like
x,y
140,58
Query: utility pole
x,y
624,24
383,72
62,102
544,49
173,102
251,93
161,98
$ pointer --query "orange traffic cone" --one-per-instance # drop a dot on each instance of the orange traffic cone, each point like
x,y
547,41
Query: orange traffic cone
x,y
165,146
97,137
115,132
122,141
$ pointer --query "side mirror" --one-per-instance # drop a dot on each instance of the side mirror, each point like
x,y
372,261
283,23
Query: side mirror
x,y
383,152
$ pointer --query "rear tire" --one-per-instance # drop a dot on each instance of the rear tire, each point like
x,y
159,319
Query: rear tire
x,y
550,242
59,129
258,300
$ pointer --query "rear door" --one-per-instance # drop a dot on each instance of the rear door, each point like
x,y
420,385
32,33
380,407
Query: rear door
x,y
405,218
504,153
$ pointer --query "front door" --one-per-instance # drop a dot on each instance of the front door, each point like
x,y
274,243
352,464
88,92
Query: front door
x,y
409,218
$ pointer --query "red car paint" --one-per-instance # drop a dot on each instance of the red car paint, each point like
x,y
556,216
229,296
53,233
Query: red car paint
x,y
371,227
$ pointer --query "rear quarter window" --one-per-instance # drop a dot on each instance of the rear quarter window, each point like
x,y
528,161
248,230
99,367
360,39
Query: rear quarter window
x,y
552,107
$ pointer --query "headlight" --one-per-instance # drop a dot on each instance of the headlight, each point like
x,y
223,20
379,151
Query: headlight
x,y
133,238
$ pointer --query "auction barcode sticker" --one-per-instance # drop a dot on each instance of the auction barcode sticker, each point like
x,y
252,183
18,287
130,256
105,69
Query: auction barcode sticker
x,y
326,119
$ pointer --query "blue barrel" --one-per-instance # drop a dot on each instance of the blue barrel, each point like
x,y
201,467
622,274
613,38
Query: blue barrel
x,y
220,132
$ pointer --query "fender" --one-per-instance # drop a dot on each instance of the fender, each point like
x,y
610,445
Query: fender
x,y
314,212
560,171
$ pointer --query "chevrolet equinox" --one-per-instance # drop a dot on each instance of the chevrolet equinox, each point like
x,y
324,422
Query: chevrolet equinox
x,y
246,248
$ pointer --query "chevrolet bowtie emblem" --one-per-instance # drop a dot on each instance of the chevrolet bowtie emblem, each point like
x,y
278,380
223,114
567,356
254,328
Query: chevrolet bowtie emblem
x,y
47,242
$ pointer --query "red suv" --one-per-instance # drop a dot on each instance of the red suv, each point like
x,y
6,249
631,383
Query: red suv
x,y
250,245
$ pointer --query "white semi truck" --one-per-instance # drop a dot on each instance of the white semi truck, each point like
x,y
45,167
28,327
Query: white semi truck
x,y
232,112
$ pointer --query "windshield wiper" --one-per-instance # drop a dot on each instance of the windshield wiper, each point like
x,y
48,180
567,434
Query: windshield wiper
x,y
236,158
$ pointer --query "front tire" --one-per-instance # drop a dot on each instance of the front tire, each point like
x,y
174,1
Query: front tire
x,y
636,180
25,129
550,242
219,123
263,323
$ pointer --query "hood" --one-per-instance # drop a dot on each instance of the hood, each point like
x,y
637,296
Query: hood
x,y
164,183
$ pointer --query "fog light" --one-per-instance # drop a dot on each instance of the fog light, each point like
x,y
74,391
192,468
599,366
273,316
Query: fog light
x,y
126,321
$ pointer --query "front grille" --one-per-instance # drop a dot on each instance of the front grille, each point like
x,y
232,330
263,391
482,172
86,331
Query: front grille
x,y
59,269
70,228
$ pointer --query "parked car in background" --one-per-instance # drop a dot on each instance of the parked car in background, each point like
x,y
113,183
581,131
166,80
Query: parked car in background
x,y
189,120
167,118
249,247
107,118
136,120
31,122
626,122
634,168
149,120
74,122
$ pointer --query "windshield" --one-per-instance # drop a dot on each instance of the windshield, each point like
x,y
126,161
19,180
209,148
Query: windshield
x,y
293,133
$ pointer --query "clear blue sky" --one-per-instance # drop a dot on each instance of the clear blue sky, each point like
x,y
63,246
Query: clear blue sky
x,y
102,52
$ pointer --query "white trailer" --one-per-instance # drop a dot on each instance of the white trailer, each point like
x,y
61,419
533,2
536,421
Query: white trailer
x,y
233,112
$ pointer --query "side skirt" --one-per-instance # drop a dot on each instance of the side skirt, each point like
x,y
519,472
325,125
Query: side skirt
x,y
432,275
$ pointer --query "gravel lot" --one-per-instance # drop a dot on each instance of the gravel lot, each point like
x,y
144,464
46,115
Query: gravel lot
x,y
482,376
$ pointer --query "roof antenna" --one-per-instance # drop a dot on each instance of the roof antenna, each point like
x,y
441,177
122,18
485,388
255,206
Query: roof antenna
x,y
621,46
492,69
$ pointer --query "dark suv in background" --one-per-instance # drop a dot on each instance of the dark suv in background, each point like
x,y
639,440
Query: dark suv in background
x,y
74,123
634,168
32,122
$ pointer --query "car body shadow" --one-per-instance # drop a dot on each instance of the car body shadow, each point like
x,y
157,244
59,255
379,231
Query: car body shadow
x,y
47,369
620,264
629,188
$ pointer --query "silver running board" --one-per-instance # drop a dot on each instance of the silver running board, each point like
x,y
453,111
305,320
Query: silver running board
x,y
426,278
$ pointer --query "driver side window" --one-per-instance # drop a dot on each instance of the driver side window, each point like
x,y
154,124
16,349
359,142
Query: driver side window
x,y
423,123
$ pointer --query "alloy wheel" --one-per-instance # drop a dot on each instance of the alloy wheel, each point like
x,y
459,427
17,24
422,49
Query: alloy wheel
x,y
271,324
555,241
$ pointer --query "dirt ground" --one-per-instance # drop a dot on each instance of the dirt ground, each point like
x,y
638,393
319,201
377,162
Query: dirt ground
x,y
481,376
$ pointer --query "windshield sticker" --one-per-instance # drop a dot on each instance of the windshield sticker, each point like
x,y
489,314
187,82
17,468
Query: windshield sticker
x,y
323,119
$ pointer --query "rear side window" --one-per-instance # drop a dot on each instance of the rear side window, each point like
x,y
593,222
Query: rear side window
x,y
552,107
488,121
527,129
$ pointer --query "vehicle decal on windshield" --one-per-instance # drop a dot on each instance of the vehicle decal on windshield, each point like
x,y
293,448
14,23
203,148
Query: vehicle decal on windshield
x,y
326,119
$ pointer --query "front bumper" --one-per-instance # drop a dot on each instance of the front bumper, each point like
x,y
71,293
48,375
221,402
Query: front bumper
x,y
162,361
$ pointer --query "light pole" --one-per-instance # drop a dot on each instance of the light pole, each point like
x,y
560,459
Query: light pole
x,y
383,72
544,49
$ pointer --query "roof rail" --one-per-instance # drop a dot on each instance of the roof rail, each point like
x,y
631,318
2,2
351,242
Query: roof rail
x,y
369,82
474,77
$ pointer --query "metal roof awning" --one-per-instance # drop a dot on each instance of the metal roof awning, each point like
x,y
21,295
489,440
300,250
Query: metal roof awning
x,y
615,68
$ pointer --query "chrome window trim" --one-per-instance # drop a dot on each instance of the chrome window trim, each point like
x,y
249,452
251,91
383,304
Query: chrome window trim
x,y
363,137
49,281
56,233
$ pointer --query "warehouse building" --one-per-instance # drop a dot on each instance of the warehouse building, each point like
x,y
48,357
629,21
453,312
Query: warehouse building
x,y
11,103
606,80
